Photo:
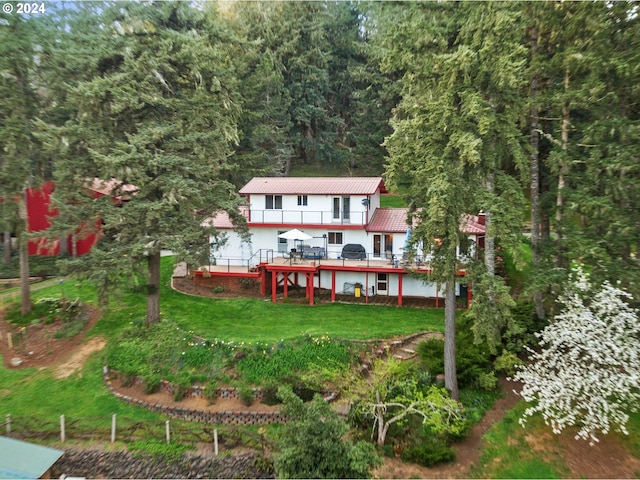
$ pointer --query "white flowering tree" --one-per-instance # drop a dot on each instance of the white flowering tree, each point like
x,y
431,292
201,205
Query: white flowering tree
x,y
587,372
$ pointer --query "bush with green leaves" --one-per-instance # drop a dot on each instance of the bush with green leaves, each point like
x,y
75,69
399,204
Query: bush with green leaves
x,y
507,362
472,359
271,363
428,449
521,331
313,443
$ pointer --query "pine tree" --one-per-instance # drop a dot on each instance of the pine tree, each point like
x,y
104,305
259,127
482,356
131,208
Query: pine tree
x,y
156,120
18,106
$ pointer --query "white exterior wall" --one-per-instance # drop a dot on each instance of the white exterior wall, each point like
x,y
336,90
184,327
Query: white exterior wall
x,y
319,210
411,287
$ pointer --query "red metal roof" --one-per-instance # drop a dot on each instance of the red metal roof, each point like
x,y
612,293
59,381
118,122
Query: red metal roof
x,y
394,220
314,186
389,220
472,225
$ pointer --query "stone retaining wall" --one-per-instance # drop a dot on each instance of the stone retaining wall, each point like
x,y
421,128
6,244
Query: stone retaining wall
x,y
201,416
102,464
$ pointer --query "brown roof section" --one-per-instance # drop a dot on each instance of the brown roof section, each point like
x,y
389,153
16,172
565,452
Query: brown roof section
x,y
222,220
390,220
109,187
314,186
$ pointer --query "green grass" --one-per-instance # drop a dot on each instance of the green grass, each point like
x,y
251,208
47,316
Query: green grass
x,y
260,320
36,393
392,201
507,452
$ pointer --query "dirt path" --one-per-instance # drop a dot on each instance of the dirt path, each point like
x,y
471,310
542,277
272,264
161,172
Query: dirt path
x,y
79,356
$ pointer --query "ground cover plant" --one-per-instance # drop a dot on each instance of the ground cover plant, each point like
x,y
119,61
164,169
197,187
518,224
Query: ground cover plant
x,y
163,351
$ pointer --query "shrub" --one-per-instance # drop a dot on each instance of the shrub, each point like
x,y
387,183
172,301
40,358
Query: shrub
x,y
507,362
152,382
471,359
270,394
487,381
428,451
218,289
313,443
521,330
210,392
180,388
246,395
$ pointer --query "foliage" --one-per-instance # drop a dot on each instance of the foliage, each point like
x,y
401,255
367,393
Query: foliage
x,y
246,395
433,405
163,451
158,142
178,356
268,363
522,328
487,381
491,307
472,359
428,450
507,362
40,266
313,443
586,373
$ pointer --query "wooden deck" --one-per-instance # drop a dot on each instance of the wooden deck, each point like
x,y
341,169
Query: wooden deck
x,y
306,263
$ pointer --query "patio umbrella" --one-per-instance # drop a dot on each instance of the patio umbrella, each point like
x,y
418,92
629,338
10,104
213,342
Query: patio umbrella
x,y
295,234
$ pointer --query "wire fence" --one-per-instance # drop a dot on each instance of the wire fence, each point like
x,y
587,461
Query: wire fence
x,y
124,429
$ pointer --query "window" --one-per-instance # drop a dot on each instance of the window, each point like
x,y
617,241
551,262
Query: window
x,y
302,200
273,202
335,238
343,214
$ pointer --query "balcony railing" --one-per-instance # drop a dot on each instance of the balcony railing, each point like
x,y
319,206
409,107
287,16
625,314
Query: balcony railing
x,y
301,217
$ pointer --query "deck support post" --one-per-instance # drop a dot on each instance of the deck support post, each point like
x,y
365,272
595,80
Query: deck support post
x,y
274,286
333,285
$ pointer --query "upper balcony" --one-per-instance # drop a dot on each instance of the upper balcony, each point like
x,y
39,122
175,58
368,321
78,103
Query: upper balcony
x,y
308,217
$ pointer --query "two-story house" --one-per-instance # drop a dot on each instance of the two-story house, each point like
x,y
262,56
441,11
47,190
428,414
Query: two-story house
x,y
329,233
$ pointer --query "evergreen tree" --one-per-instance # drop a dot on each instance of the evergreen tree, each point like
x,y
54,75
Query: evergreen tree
x,y
18,106
156,121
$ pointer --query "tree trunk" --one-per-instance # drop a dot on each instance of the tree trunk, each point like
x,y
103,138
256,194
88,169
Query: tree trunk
x,y
7,246
23,241
64,246
489,239
153,289
450,375
563,171
534,169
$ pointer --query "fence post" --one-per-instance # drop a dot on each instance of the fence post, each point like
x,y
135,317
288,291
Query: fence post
x,y
215,441
62,432
168,433
113,428
9,340
8,417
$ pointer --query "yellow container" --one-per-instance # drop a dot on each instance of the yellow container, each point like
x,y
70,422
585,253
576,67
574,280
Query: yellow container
x,y
357,291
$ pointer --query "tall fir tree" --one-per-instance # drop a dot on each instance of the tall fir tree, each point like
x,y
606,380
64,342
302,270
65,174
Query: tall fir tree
x,y
18,153
156,121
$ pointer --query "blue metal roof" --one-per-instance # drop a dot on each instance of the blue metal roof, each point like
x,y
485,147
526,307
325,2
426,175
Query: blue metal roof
x,y
25,460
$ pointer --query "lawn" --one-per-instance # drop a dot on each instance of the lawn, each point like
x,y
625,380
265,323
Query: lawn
x,y
260,320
